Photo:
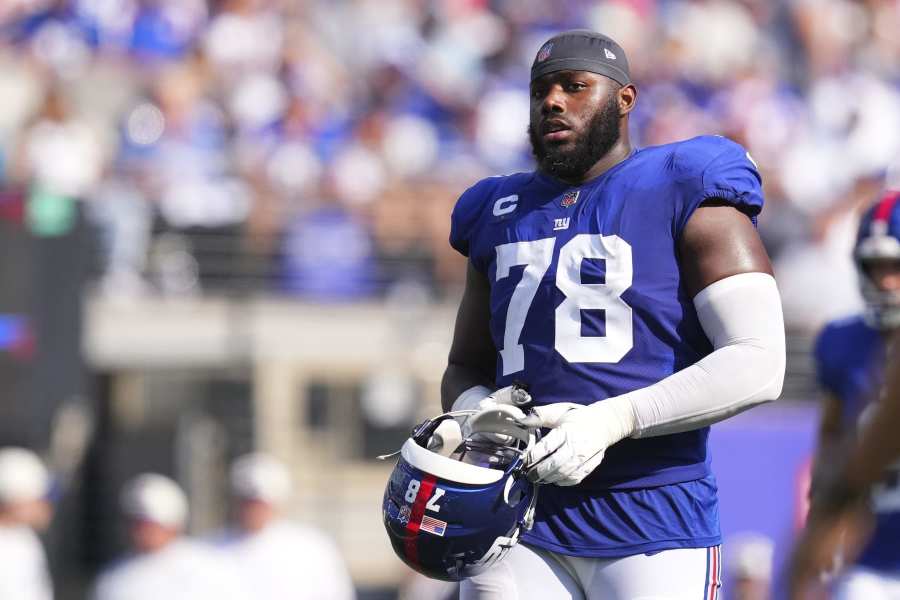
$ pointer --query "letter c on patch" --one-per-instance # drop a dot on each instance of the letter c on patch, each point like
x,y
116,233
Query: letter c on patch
x,y
506,205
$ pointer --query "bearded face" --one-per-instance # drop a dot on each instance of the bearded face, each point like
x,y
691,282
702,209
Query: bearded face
x,y
567,149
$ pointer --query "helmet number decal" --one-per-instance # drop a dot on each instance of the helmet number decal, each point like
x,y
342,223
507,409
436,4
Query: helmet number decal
x,y
412,490
433,503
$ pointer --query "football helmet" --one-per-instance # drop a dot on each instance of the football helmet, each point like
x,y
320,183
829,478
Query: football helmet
x,y
452,511
879,240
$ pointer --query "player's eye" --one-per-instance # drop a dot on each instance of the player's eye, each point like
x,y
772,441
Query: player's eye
x,y
576,86
537,94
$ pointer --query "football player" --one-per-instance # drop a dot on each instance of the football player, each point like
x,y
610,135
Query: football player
x,y
629,291
850,363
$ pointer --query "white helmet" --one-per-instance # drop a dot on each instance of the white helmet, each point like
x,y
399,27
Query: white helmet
x,y
155,498
259,476
23,476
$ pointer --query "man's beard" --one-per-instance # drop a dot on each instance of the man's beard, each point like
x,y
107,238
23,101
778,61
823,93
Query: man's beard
x,y
572,163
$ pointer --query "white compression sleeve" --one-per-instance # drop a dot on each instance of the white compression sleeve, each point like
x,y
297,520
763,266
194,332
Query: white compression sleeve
x,y
741,315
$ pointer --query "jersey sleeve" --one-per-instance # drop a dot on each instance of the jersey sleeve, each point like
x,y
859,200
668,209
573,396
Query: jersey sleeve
x,y
466,216
716,168
825,361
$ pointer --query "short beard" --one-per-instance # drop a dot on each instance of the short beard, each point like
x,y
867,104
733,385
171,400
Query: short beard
x,y
571,165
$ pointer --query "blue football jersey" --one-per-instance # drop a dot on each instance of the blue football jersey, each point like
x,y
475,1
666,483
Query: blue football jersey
x,y
850,358
587,302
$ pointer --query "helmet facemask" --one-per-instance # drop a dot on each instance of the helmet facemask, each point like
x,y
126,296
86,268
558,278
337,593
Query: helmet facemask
x,y
882,305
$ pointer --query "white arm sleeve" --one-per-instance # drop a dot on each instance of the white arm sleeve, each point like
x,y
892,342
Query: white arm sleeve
x,y
741,315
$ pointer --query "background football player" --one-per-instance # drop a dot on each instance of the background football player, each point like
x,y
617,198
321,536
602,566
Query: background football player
x,y
850,362
630,292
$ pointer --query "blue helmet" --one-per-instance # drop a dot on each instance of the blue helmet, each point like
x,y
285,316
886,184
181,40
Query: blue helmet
x,y
879,240
453,511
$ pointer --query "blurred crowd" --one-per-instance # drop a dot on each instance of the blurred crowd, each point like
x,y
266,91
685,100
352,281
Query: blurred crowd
x,y
259,554
316,147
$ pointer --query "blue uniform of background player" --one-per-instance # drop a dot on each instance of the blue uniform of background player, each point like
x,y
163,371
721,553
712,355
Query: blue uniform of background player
x,y
620,286
850,359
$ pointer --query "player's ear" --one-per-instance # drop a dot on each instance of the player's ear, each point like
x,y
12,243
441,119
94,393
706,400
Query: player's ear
x,y
627,96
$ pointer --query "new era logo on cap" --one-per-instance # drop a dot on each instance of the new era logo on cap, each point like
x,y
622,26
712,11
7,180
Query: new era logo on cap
x,y
544,53
609,54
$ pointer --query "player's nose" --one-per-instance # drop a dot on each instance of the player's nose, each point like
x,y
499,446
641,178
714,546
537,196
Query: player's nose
x,y
554,101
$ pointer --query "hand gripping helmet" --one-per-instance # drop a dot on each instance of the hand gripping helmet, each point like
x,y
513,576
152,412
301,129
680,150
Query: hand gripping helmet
x,y
453,511
879,240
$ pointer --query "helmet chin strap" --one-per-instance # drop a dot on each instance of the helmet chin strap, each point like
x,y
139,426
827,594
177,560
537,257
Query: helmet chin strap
x,y
528,518
388,456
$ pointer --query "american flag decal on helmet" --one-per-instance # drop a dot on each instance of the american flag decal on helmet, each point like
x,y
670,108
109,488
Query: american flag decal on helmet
x,y
432,525
570,198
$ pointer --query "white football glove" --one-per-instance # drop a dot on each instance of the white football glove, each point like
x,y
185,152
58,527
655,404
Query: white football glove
x,y
579,438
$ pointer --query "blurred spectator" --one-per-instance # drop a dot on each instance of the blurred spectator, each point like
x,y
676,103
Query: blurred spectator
x,y
749,566
165,564
188,163
60,161
231,114
328,255
277,559
24,485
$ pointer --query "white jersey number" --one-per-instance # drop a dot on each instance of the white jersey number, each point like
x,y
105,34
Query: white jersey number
x,y
574,347
536,256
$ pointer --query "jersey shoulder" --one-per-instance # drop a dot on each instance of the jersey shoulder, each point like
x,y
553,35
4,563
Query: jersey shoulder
x,y
837,344
697,155
841,335
477,200
708,167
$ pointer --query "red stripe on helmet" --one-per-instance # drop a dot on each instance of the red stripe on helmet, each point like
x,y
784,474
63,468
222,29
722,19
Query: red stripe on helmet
x,y
885,206
415,519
